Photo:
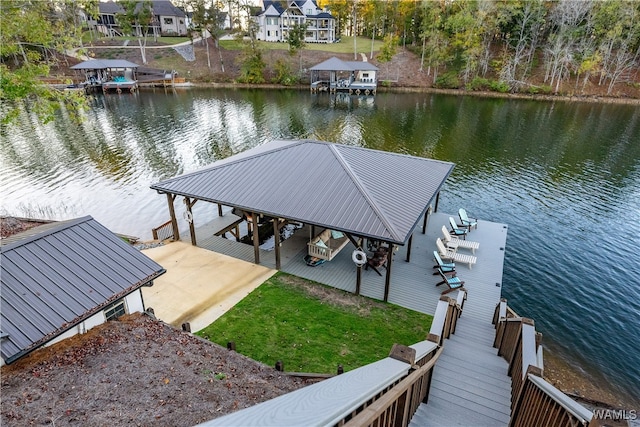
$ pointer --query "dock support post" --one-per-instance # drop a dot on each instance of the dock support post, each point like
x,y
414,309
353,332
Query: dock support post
x,y
359,270
256,237
192,228
172,212
387,282
409,248
276,241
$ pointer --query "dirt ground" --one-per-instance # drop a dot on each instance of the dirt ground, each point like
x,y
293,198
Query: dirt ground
x,y
135,371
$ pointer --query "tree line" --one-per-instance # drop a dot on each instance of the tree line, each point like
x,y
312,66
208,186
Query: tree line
x,y
464,41
461,43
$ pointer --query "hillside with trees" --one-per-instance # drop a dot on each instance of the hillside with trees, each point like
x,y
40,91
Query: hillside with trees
x,y
565,47
500,44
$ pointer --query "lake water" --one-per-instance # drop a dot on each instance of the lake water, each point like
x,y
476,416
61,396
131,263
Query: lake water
x,y
564,176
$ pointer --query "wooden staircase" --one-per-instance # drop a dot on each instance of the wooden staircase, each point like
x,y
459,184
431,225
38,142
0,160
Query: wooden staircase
x,y
470,385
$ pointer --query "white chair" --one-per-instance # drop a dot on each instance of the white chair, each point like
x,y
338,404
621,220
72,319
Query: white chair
x,y
455,243
453,255
466,221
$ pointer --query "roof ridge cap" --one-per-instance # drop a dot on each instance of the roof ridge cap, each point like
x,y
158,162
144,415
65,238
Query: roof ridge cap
x,y
362,188
29,238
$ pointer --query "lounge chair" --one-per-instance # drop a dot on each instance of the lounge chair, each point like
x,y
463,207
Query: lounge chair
x,y
456,230
453,255
466,221
453,283
446,267
455,243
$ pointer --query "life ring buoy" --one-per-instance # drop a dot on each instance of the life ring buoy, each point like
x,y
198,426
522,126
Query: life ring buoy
x,y
188,216
358,257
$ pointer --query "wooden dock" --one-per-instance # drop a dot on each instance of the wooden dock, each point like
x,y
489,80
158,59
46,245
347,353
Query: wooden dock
x,y
470,383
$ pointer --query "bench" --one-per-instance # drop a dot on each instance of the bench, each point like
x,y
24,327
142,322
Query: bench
x,y
327,244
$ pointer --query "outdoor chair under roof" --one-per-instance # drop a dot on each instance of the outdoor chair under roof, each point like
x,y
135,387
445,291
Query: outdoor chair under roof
x,y
451,254
446,267
453,283
456,230
453,242
466,221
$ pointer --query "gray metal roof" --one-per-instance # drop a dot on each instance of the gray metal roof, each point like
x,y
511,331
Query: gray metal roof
x,y
361,191
166,8
103,64
55,276
159,7
337,64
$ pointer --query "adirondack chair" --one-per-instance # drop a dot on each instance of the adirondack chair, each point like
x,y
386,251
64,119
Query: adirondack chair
x,y
451,254
456,230
466,221
447,267
453,242
453,283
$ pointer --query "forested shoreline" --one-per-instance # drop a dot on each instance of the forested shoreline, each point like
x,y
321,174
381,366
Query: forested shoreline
x,y
568,48
501,44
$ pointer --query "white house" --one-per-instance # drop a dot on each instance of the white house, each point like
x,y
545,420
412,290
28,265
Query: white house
x,y
275,20
63,278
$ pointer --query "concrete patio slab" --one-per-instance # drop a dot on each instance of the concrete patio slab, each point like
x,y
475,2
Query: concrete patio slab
x,y
199,285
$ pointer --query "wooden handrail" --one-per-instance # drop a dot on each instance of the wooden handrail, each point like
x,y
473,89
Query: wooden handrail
x,y
336,400
534,401
540,403
397,407
446,317
163,232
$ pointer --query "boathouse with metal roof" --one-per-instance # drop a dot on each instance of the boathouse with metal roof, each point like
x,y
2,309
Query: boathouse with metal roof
x,y
363,193
63,278
352,77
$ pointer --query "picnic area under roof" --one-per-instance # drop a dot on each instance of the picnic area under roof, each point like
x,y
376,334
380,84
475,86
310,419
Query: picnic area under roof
x,y
368,193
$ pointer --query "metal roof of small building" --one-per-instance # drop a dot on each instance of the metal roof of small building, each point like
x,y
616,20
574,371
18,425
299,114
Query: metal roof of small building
x,y
55,276
166,8
337,64
365,192
103,64
159,7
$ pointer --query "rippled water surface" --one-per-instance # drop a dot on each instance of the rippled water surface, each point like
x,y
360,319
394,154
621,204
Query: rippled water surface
x,y
564,176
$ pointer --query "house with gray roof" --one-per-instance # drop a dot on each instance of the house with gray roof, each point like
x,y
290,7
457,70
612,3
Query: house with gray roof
x,y
274,21
168,20
63,278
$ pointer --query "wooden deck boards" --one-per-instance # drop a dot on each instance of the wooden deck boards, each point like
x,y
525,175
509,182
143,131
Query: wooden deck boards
x,y
470,382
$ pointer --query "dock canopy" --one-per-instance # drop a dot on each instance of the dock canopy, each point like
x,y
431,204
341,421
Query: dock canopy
x,y
104,64
336,64
368,193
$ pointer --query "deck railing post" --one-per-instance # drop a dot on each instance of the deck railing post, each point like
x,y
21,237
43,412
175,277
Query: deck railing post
x,y
172,212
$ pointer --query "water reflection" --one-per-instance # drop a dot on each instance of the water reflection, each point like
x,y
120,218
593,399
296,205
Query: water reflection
x,y
564,176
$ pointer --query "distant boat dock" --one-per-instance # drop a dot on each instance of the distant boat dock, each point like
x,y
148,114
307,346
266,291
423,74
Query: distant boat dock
x,y
120,75
353,77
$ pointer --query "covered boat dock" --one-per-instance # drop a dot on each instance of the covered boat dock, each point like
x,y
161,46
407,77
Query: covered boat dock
x,y
353,191
352,77
109,74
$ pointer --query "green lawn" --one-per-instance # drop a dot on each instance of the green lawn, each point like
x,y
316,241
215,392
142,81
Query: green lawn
x,y
344,46
313,328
